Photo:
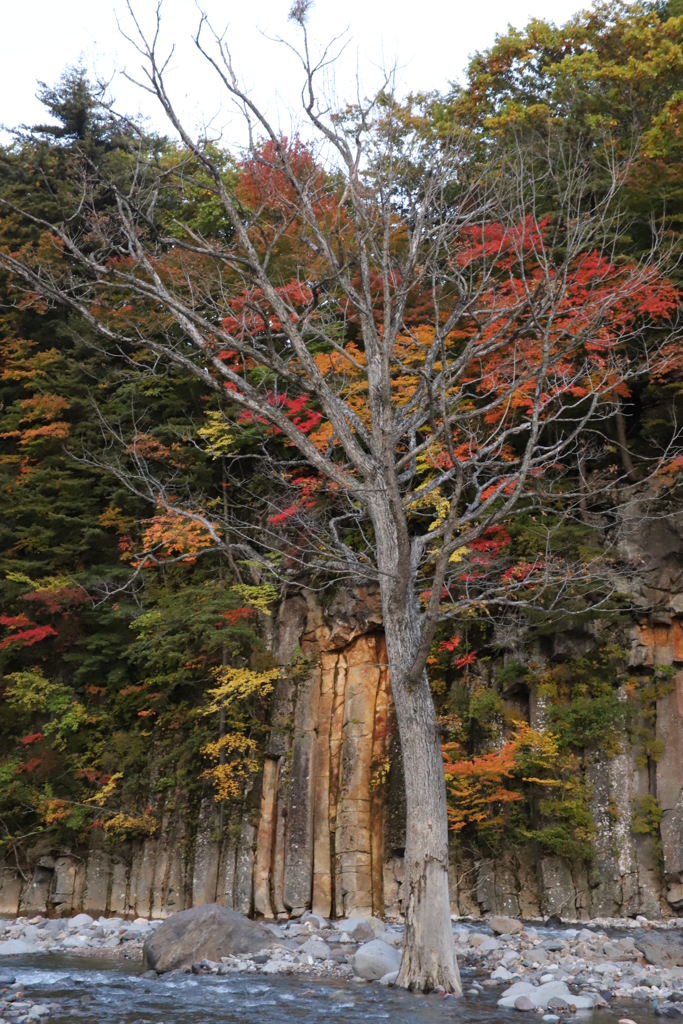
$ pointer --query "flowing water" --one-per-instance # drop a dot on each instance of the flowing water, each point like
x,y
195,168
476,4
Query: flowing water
x,y
92,992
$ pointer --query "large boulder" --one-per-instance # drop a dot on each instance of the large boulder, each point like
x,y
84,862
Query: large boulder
x,y
663,949
17,947
375,959
501,925
209,931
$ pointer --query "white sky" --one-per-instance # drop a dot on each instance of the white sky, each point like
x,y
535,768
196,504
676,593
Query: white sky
x,y
430,39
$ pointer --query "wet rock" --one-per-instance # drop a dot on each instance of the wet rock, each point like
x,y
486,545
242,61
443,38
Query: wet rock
x,y
6,978
674,1010
550,1018
543,994
502,974
524,1004
210,931
375,959
501,925
390,978
663,949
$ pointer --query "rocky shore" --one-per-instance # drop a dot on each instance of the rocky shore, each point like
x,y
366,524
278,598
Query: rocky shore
x,y
543,966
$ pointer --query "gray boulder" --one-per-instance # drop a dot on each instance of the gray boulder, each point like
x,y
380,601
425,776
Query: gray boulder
x,y
375,959
207,932
16,947
317,948
663,949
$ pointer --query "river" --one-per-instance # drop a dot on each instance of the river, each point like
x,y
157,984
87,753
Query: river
x,y
93,992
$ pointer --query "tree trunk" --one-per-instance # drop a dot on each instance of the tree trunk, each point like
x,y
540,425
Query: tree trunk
x,y
429,955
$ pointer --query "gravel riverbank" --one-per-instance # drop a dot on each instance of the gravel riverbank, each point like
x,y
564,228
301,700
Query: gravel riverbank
x,y
551,967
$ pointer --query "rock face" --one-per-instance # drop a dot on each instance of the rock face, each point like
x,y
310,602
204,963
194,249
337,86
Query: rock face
x,y
323,827
210,931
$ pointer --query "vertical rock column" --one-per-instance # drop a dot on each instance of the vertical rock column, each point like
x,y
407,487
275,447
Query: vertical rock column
x,y
336,742
299,834
379,769
353,835
670,780
322,860
266,833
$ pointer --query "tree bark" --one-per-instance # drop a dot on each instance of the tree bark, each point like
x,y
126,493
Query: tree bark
x,y
429,953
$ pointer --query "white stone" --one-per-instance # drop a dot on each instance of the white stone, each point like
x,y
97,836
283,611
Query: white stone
x,y
541,996
501,974
375,959
520,988
389,979
80,921
274,967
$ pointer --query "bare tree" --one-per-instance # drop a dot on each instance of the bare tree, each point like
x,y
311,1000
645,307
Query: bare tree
x,y
455,320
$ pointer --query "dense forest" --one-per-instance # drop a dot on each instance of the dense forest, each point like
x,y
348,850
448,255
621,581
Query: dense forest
x,y
151,524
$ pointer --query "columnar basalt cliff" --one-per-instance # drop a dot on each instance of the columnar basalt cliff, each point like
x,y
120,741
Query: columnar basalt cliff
x,y
323,827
